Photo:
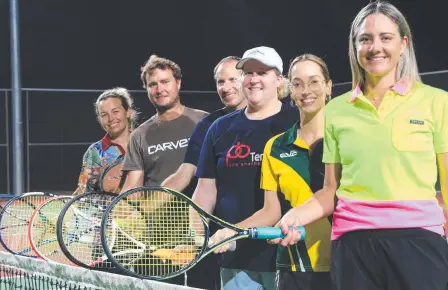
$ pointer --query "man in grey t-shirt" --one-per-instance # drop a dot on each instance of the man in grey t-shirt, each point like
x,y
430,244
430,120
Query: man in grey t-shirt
x,y
157,147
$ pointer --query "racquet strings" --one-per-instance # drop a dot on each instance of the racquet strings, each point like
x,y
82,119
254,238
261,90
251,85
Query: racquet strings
x,y
14,223
121,236
80,230
42,230
159,220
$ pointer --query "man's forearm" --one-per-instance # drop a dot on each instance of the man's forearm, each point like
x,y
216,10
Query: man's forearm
x,y
133,179
181,178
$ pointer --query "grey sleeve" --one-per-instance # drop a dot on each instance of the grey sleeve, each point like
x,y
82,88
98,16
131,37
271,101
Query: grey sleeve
x,y
195,114
133,159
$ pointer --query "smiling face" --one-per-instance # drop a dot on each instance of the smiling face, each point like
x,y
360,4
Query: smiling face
x,y
309,89
163,89
260,82
113,117
379,46
228,82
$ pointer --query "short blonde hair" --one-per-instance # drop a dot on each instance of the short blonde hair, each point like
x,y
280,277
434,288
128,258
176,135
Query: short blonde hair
x,y
283,89
407,66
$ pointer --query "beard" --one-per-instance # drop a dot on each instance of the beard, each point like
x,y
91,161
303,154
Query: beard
x,y
163,108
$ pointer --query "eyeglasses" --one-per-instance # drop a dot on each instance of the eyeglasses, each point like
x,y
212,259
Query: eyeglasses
x,y
313,85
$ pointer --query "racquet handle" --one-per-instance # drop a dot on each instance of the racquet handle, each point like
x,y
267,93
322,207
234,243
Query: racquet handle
x,y
268,233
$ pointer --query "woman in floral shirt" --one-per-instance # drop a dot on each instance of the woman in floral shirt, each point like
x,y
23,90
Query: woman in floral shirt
x,y
117,116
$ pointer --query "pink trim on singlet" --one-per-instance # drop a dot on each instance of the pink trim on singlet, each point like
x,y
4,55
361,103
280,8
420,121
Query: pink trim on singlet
x,y
352,215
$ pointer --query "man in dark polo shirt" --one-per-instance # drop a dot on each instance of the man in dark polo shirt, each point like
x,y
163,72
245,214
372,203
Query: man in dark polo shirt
x,y
228,81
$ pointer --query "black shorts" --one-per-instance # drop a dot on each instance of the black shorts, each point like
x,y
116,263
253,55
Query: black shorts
x,y
287,280
399,259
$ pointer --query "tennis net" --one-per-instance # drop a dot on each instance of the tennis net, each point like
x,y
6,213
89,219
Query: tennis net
x,y
18,272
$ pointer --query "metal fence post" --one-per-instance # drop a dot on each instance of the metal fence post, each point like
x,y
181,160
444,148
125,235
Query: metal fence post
x,y
17,135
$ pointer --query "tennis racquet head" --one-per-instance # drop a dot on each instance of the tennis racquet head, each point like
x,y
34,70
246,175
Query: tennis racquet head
x,y
171,230
111,179
42,229
14,221
78,230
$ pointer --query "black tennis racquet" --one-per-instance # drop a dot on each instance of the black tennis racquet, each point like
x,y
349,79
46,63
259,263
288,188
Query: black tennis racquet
x,y
14,221
172,232
78,230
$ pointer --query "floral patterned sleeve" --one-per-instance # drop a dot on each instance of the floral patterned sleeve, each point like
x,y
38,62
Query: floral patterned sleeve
x,y
90,171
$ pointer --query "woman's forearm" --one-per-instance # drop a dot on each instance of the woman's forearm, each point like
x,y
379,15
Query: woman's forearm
x,y
317,207
262,218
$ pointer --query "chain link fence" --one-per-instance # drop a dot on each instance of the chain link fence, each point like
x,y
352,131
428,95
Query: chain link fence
x,y
59,125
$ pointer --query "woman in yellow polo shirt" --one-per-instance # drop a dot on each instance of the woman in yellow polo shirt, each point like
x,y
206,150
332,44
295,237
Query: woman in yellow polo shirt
x,y
381,144
291,171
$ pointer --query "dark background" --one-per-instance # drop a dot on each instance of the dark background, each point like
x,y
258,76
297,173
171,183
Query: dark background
x,y
89,44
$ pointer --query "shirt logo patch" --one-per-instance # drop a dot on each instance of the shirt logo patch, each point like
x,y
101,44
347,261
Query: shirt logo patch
x,y
417,122
168,146
292,153
240,155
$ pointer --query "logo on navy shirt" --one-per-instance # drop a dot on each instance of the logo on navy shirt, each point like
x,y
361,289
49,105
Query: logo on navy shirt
x,y
240,155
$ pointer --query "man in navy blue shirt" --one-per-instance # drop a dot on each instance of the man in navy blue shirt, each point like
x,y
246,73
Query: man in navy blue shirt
x,y
229,165
228,83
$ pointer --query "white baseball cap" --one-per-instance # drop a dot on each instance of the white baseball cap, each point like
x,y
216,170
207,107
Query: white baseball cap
x,y
266,55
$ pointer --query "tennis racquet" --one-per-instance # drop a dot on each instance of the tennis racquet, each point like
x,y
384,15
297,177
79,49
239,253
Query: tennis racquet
x,y
111,179
14,221
78,230
171,229
42,229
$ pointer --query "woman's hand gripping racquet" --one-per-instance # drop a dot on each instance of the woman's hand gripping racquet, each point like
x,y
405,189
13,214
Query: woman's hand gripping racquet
x,y
173,230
